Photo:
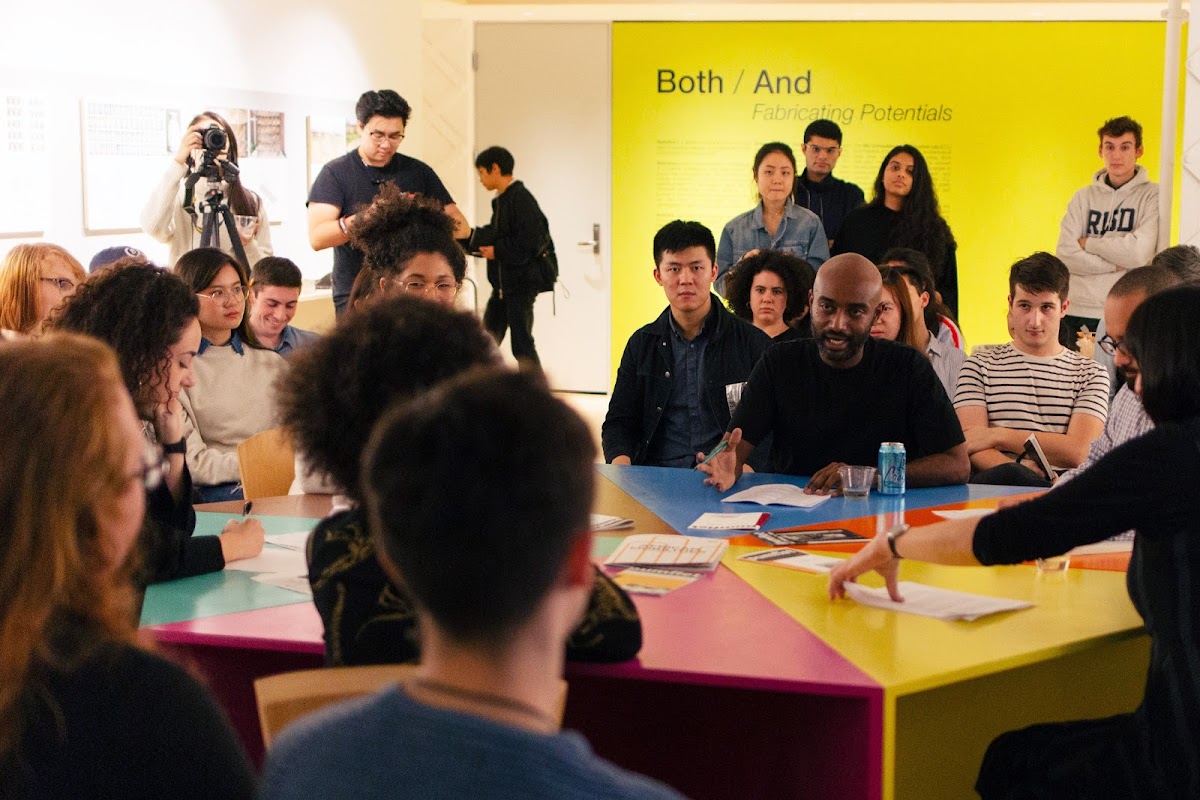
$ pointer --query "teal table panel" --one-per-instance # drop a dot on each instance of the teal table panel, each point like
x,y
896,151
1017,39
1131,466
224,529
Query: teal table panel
x,y
678,496
210,523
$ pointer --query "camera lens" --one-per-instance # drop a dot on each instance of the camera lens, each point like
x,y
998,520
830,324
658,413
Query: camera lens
x,y
215,139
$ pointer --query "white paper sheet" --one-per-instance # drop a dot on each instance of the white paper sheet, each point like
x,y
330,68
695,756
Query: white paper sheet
x,y
793,559
964,513
292,541
278,560
777,494
930,601
293,583
606,522
715,521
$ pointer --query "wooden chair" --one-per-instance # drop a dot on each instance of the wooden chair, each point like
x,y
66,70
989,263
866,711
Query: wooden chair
x,y
267,464
283,699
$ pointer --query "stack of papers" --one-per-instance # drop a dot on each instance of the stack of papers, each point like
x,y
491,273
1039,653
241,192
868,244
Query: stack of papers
x,y
654,581
714,521
930,601
777,494
668,550
792,559
604,522
282,563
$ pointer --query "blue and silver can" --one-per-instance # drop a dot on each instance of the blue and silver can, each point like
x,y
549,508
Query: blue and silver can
x,y
893,468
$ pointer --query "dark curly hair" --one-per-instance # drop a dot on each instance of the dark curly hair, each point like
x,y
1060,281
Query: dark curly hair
x,y
388,350
921,226
396,226
139,310
796,273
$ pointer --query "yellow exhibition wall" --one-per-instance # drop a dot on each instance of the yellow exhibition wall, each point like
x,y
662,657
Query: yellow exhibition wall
x,y
1006,114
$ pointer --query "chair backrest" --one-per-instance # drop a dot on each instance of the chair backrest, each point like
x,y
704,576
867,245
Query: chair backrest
x,y
283,699
267,464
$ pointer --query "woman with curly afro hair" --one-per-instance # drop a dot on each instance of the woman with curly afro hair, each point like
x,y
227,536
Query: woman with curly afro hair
x,y
408,245
770,289
904,213
149,318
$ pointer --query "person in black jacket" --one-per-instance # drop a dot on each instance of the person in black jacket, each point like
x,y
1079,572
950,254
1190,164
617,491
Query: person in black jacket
x,y
816,189
511,243
681,375
149,318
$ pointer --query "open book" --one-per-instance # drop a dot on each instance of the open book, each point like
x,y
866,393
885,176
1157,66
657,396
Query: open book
x,y
777,494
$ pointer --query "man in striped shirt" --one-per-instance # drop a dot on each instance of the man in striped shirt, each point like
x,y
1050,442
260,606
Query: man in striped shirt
x,y
1031,385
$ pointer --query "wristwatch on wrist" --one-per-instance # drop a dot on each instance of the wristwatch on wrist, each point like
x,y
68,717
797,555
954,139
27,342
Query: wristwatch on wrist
x,y
894,534
179,447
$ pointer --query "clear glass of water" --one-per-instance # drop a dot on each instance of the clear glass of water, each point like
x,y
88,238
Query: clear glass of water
x,y
856,481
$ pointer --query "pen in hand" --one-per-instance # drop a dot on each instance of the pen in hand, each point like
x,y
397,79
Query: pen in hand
x,y
246,507
716,451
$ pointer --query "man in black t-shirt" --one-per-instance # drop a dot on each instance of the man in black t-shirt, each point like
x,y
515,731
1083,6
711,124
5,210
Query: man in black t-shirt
x,y
834,399
350,182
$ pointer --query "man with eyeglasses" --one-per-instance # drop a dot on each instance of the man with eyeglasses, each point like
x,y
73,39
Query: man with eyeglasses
x,y
511,243
350,182
816,189
1127,419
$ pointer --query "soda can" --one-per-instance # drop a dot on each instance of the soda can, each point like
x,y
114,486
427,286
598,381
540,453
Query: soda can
x,y
892,468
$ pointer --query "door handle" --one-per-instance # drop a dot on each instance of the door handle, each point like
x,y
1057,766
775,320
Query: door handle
x,y
595,241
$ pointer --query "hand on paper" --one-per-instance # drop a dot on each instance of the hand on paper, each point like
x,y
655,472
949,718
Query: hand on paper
x,y
242,538
874,556
826,480
722,470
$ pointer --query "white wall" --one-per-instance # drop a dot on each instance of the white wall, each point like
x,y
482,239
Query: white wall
x,y
300,56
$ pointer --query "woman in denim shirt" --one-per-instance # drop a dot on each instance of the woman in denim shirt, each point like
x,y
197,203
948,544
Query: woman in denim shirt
x,y
776,222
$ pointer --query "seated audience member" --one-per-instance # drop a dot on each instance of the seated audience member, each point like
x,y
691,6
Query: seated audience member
x,y
366,284
900,320
408,244
34,280
904,212
274,292
681,375
770,289
1153,751
1033,384
1127,419
234,396
85,713
149,318
915,268
777,222
391,350
479,495
833,399
111,255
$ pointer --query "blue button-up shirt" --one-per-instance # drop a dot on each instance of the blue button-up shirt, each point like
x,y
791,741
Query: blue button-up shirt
x,y
800,233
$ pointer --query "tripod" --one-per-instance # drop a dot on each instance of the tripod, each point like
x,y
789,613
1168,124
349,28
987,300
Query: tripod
x,y
213,208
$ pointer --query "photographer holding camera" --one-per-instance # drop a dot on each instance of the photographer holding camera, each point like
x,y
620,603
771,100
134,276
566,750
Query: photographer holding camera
x,y
173,217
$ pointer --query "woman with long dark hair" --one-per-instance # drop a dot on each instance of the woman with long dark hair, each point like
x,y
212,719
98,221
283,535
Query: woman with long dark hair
x,y
85,712
149,318
904,212
166,218
1146,485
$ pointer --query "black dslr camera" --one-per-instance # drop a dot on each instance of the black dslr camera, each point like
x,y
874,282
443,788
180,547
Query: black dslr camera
x,y
214,141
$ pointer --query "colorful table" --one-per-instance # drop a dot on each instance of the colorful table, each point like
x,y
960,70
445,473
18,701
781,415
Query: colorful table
x,y
751,683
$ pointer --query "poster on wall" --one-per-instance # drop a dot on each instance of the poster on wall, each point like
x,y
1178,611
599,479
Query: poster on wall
x,y
260,137
1005,113
126,148
24,163
329,137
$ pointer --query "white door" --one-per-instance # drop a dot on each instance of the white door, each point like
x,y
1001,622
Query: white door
x,y
543,92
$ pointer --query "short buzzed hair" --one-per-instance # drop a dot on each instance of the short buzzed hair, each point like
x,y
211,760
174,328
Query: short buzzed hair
x,y
1182,259
1144,281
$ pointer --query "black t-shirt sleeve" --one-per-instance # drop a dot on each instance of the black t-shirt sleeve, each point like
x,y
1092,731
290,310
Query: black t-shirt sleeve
x,y
328,188
1133,487
433,186
934,425
755,413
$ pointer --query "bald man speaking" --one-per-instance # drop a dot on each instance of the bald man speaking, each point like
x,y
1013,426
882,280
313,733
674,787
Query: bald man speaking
x,y
833,399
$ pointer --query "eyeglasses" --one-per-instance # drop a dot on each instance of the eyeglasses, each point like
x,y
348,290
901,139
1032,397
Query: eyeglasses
x,y
1111,345
62,284
236,292
379,136
155,467
443,289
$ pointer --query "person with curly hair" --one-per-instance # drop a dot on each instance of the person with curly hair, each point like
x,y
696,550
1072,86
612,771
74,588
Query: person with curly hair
x,y
34,280
233,398
771,289
391,350
408,243
149,318
85,712
904,212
